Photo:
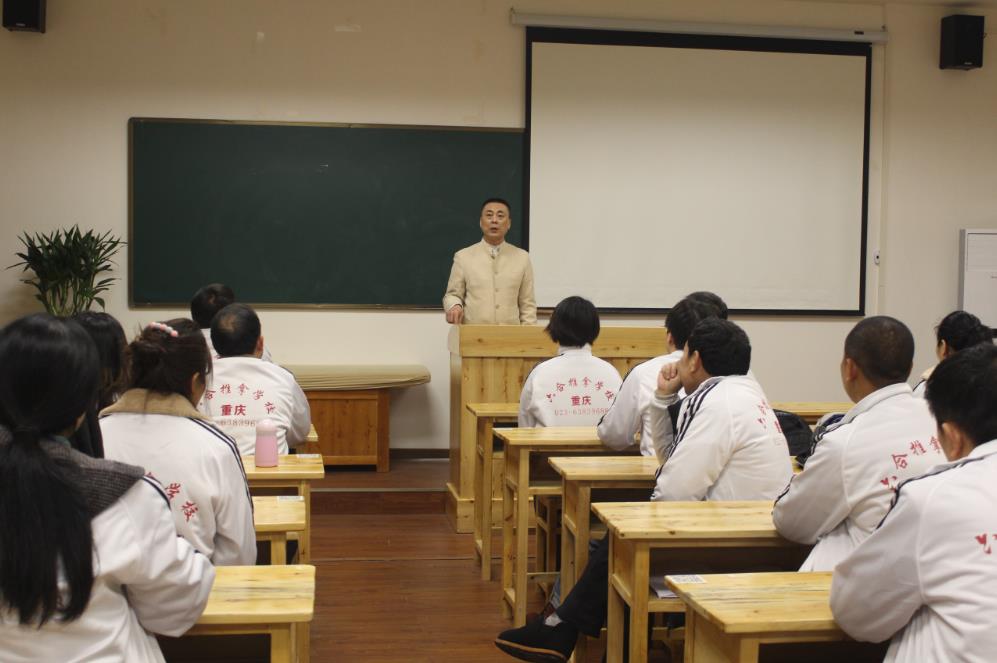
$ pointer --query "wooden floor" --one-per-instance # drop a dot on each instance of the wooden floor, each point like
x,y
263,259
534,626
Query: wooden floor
x,y
394,583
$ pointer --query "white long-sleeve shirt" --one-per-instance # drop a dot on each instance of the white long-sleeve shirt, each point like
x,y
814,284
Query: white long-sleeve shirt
x,y
147,580
847,485
927,577
630,412
572,389
727,444
246,389
198,466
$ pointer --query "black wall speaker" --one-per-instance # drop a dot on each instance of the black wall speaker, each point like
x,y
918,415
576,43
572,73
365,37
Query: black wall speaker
x,y
962,42
26,15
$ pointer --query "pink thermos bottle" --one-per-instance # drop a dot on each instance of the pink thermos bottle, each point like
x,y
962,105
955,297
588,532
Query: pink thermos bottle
x,y
266,443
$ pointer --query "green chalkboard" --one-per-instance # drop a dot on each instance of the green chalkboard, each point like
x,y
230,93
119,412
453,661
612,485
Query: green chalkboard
x,y
301,214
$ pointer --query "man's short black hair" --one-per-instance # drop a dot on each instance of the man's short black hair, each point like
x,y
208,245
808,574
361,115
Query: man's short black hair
x,y
208,301
960,330
711,299
235,331
963,390
684,316
723,347
883,349
574,322
499,200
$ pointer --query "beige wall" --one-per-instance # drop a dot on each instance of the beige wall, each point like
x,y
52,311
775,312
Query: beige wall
x,y
65,98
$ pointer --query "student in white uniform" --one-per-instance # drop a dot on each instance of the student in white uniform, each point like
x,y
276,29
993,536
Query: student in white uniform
x,y
927,577
246,389
574,388
957,330
155,424
727,447
630,412
848,482
92,565
206,303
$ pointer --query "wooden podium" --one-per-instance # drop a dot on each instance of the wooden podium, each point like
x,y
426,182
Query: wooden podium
x,y
489,363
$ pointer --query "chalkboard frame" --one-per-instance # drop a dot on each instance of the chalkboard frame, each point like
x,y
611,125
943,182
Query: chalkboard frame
x,y
133,122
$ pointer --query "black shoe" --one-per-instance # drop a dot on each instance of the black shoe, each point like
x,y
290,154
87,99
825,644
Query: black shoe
x,y
539,643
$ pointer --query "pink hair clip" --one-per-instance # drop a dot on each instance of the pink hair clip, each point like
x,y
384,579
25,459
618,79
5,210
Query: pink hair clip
x,y
163,327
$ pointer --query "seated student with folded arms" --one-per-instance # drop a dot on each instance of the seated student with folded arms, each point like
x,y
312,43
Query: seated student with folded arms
x,y
847,484
927,577
957,330
245,388
206,303
574,388
155,424
728,447
90,561
630,413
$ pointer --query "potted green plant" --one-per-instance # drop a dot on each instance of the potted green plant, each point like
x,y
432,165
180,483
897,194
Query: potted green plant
x,y
67,265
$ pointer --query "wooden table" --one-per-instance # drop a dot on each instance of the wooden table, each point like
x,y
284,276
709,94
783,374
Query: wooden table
x,y
517,489
702,533
811,412
273,517
486,415
730,616
579,476
278,600
295,471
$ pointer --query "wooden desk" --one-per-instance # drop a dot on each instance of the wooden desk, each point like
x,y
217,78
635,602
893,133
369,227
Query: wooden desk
x,y
279,600
486,415
292,471
579,476
312,437
729,617
517,489
273,517
715,533
811,412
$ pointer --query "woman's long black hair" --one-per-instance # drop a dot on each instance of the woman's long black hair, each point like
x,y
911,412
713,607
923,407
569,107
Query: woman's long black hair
x,y
49,378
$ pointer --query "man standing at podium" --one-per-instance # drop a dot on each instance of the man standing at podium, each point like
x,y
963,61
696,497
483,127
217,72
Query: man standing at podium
x,y
491,282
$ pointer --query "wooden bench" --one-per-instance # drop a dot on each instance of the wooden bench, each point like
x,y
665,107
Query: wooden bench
x,y
277,600
683,534
274,516
729,617
487,415
350,407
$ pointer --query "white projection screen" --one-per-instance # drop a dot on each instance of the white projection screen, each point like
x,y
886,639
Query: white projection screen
x,y
663,164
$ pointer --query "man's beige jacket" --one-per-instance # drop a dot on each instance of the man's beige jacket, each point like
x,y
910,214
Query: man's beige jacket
x,y
493,290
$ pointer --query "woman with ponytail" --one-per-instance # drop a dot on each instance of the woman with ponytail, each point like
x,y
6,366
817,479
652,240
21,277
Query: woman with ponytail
x,y
156,424
90,563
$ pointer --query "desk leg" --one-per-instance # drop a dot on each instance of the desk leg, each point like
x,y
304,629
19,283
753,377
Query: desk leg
x,y
281,650
639,602
508,529
522,537
614,613
483,496
303,641
305,539
575,553
278,549
705,643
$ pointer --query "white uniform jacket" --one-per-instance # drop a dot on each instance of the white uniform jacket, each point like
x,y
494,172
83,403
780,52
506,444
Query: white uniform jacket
x,y
147,580
847,484
630,413
494,290
726,445
198,466
928,576
214,355
245,390
572,389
